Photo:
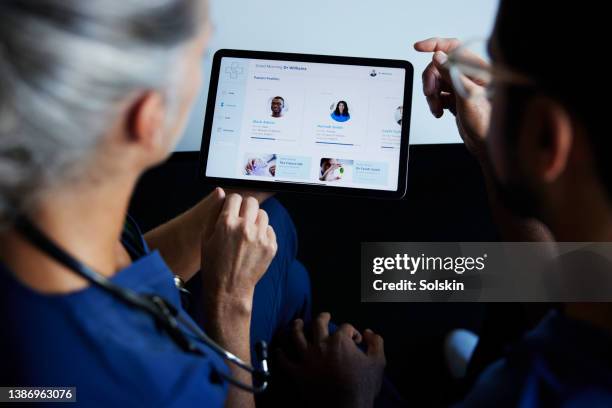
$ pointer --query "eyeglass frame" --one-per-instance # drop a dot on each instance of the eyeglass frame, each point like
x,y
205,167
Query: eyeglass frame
x,y
460,68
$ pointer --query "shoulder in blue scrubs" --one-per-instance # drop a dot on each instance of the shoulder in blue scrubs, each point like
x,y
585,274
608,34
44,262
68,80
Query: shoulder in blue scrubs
x,y
114,354
561,363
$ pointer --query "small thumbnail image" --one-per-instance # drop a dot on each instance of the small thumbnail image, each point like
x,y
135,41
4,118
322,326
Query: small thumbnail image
x,y
260,165
334,169
399,113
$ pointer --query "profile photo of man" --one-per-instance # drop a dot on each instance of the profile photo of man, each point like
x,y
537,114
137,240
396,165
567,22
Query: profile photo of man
x,y
399,113
373,73
277,106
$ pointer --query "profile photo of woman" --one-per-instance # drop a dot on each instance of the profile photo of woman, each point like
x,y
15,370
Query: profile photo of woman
x,y
341,113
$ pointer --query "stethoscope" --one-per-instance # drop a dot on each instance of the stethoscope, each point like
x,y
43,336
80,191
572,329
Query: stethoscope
x,y
165,314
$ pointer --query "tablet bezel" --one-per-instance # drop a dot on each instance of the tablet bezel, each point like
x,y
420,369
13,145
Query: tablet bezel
x,y
297,186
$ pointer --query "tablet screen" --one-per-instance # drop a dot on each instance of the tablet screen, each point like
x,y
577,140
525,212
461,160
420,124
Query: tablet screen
x,y
303,122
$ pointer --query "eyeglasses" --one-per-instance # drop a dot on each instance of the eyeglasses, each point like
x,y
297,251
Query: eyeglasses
x,y
473,75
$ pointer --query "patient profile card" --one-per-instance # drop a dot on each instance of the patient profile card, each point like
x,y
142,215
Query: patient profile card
x,y
304,122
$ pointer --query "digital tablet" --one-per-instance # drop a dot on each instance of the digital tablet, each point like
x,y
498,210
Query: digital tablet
x,y
308,123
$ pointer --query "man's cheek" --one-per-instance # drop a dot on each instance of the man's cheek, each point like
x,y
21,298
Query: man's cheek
x,y
497,144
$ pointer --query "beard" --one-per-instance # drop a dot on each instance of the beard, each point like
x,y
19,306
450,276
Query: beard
x,y
516,193
517,196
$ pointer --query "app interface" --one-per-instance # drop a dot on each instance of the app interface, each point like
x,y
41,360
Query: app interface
x,y
325,124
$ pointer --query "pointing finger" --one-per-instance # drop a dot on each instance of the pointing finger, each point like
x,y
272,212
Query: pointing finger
x,y
437,44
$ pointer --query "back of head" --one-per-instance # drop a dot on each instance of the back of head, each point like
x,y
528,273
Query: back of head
x,y
562,46
65,68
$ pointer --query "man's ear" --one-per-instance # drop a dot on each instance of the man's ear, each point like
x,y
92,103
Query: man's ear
x,y
147,120
545,140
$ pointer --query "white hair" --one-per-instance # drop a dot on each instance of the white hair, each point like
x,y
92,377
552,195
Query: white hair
x,y
65,66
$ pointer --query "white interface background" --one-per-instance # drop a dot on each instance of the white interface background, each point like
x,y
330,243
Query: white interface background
x,y
336,125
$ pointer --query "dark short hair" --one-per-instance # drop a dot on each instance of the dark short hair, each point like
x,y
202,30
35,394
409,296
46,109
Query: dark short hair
x,y
557,44
279,97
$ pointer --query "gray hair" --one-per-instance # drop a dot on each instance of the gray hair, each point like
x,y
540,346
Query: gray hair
x,y
65,66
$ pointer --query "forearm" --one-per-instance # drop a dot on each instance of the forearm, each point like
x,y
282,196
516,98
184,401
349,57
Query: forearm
x,y
179,242
239,344
230,328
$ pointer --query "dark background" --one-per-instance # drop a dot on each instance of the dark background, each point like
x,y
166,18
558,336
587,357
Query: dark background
x,y
446,201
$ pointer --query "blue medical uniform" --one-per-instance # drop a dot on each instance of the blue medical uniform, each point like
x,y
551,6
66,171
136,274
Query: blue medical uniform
x,y
115,354
561,363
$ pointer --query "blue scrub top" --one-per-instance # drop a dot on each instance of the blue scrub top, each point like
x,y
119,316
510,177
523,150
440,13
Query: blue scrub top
x,y
114,354
562,362
340,118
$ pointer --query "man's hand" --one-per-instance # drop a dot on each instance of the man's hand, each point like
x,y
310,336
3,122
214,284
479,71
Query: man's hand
x,y
472,116
332,370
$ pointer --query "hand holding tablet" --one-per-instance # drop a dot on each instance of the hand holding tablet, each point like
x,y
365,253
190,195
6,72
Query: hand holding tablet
x,y
308,123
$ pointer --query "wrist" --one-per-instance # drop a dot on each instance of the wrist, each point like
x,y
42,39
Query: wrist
x,y
226,312
231,306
